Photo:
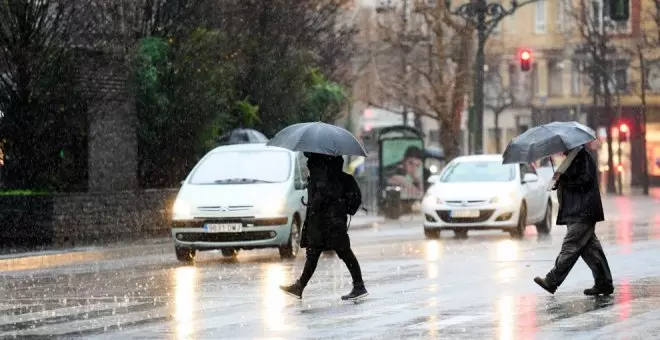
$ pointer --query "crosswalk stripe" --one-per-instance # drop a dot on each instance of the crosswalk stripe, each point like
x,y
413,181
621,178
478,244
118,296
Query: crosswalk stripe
x,y
13,319
82,326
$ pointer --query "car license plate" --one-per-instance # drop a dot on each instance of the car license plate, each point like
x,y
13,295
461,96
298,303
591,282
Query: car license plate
x,y
464,213
224,227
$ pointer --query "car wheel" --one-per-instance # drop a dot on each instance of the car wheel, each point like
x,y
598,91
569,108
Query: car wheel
x,y
545,226
461,233
229,252
185,255
432,234
291,249
519,231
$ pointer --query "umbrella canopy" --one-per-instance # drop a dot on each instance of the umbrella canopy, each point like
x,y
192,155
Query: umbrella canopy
x,y
546,140
318,137
242,136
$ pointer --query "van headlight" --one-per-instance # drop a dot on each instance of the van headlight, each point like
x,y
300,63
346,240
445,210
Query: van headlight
x,y
181,210
505,199
275,206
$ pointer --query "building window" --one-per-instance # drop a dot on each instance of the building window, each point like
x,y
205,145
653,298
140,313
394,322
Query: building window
x,y
561,9
514,81
600,17
621,76
576,78
540,25
555,78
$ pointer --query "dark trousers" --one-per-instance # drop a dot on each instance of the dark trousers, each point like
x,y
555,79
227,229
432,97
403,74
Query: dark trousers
x,y
581,241
344,252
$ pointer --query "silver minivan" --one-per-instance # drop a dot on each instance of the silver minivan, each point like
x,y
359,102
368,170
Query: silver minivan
x,y
243,196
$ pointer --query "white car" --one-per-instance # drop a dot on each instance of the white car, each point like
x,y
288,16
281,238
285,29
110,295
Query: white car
x,y
243,196
479,192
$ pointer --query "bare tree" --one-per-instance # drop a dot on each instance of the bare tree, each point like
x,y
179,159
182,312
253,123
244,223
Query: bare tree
x,y
641,49
598,54
433,49
498,97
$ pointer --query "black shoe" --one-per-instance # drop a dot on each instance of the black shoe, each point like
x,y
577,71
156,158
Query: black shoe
x,y
294,290
545,285
605,290
357,292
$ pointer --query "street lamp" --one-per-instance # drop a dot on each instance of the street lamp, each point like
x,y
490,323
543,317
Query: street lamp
x,y
485,17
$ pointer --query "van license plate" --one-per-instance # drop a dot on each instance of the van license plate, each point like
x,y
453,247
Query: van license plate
x,y
464,213
224,227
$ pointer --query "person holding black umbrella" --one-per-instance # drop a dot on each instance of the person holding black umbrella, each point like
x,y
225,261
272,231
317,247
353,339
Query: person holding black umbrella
x,y
332,196
580,208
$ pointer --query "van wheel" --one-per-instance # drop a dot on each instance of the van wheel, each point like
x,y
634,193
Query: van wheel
x,y
291,249
185,255
432,234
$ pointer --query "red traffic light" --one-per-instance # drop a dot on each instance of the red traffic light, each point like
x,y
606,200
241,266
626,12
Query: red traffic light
x,y
623,127
525,59
525,55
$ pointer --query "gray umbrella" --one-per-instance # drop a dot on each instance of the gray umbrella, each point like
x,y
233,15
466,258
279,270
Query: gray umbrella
x,y
546,140
318,137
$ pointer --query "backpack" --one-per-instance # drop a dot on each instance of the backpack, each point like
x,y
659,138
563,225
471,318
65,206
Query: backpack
x,y
352,195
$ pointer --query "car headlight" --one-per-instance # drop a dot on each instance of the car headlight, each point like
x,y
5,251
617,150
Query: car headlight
x,y
273,206
181,210
506,199
432,199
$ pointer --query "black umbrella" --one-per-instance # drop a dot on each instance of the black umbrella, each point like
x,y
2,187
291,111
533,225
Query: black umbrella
x,y
546,140
318,137
242,136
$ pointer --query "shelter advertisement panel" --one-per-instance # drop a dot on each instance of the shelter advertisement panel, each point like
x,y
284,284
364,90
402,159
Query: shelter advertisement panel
x,y
402,164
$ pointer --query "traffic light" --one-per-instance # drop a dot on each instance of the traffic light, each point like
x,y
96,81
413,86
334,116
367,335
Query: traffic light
x,y
525,59
624,130
619,10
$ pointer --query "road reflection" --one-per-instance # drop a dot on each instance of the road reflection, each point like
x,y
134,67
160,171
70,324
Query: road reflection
x,y
507,250
528,326
185,299
624,229
506,318
272,299
433,250
623,299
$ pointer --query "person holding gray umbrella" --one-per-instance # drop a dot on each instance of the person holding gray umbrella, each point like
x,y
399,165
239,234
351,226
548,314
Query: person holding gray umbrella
x,y
580,205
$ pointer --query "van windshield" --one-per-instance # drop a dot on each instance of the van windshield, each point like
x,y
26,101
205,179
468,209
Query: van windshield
x,y
243,167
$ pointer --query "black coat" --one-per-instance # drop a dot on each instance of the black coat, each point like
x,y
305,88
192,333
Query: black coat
x,y
578,192
326,221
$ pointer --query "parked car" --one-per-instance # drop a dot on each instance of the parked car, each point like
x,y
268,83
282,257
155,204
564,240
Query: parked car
x,y
243,196
479,192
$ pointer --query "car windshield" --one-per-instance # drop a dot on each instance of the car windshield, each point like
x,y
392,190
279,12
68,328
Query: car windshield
x,y
478,171
243,167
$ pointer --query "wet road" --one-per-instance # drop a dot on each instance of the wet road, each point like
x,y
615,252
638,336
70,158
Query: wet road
x,y
479,288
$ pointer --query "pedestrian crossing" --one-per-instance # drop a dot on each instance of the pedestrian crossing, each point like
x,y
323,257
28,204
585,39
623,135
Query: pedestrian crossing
x,y
418,314
468,289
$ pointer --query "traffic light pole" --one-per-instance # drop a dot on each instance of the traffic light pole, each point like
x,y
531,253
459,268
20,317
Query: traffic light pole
x,y
485,17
